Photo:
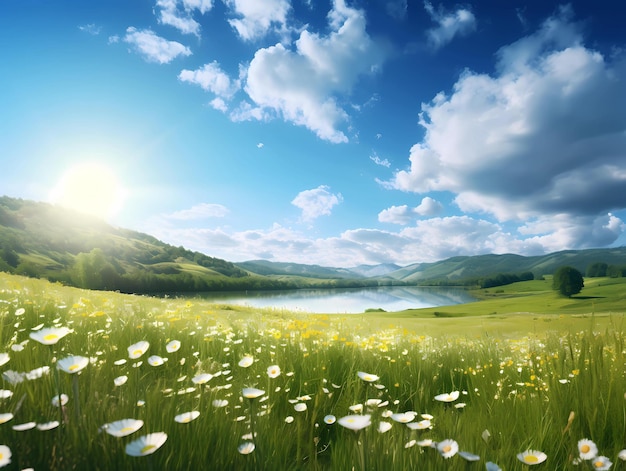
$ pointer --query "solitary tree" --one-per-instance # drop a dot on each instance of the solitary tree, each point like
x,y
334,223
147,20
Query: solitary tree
x,y
567,281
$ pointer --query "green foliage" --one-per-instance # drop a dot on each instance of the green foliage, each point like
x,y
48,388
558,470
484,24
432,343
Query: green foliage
x,y
567,281
597,269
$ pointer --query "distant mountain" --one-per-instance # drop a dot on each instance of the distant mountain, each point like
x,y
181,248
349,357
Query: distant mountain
x,y
375,270
267,268
458,268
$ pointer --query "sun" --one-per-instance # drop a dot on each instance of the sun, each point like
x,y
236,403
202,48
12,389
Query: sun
x,y
91,188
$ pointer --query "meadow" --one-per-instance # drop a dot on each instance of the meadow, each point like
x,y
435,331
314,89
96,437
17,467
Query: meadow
x,y
104,381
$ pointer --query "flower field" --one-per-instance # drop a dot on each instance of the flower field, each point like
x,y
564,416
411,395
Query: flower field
x,y
103,381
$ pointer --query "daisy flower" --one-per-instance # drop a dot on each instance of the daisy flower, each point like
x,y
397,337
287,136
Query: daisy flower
x,y
300,407
5,455
49,335
330,419
156,360
273,371
72,364
172,346
202,378
138,349
404,417
120,380
146,445
384,426
48,425
246,448
246,361
4,358
355,422
601,463
60,400
122,428
24,427
532,457
587,449
622,455
447,397
252,393
448,448
367,377
187,417
4,418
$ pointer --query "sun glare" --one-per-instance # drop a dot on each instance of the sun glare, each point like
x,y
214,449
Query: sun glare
x,y
91,188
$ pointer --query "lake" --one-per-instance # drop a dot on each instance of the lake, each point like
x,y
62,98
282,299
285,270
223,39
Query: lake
x,y
345,301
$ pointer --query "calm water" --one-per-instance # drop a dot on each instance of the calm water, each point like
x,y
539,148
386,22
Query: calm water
x,y
349,301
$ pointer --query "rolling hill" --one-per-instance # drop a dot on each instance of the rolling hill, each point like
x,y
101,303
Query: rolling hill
x,y
46,241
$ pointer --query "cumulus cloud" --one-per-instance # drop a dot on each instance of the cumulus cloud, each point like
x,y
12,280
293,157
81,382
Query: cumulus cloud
x,y
212,79
404,215
179,14
543,139
303,85
200,211
458,23
317,202
154,48
428,240
255,19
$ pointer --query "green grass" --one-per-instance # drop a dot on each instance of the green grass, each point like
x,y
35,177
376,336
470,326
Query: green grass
x,y
521,371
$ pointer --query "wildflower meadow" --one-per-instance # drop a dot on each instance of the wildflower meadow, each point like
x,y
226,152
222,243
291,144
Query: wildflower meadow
x,y
103,381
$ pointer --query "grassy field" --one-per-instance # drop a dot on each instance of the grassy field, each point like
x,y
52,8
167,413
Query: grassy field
x,y
521,369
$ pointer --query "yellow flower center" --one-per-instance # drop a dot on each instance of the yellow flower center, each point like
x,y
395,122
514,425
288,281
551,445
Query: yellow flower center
x,y
73,367
137,352
447,448
598,464
1,456
147,448
585,448
184,420
531,459
50,337
126,430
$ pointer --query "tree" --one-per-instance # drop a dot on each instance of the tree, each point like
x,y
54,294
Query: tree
x,y
597,269
567,281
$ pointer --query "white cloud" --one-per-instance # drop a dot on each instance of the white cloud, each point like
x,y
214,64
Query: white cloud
x,y
404,215
154,48
200,211
90,28
449,25
428,241
212,79
303,85
397,8
256,18
179,14
543,139
317,202
378,161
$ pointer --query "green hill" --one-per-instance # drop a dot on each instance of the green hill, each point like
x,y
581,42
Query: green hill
x,y
46,241
479,266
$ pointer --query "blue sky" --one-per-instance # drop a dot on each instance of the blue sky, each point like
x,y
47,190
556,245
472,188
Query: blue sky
x,y
336,133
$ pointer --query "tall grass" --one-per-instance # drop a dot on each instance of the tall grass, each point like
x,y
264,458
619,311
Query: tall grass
x,y
543,392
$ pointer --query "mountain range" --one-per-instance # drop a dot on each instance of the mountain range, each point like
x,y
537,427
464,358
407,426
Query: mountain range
x,y
43,240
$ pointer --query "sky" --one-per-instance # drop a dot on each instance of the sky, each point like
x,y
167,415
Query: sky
x,y
335,133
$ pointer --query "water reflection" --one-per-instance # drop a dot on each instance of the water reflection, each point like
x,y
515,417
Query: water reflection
x,y
355,300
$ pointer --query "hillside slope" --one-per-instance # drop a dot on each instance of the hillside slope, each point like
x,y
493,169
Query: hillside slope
x,y
39,239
